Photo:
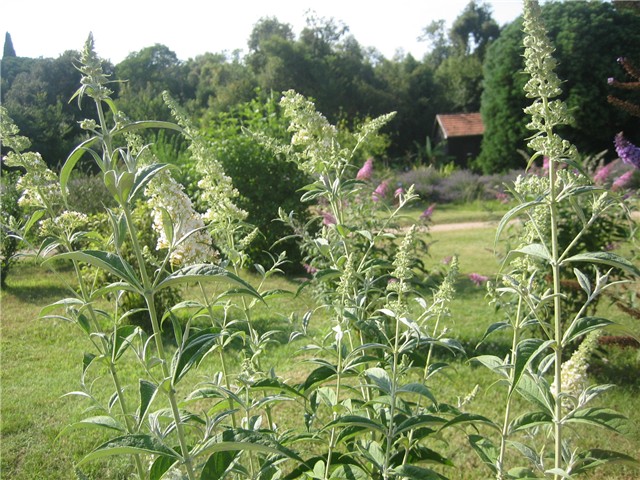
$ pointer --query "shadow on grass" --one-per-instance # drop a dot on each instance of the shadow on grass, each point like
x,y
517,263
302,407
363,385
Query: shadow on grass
x,y
37,294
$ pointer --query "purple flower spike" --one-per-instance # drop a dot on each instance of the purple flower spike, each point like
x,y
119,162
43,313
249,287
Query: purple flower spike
x,y
627,151
602,174
399,191
367,169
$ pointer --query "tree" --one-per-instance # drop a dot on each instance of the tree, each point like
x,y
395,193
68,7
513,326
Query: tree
x,y
457,57
589,37
145,75
8,51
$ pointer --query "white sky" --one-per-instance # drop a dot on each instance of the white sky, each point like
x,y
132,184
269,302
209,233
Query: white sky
x,y
46,28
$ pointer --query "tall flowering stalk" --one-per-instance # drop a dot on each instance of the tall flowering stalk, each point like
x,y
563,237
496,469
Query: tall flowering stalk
x,y
533,289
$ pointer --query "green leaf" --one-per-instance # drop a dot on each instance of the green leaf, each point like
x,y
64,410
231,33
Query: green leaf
x,y
101,421
317,376
494,327
380,377
104,260
486,450
414,472
469,418
493,363
144,176
536,391
65,303
192,351
205,273
129,445
70,163
419,389
35,216
355,420
121,340
583,280
419,421
602,417
245,440
605,258
349,472
217,464
596,457
511,214
529,420
582,326
160,466
526,352
148,392
537,250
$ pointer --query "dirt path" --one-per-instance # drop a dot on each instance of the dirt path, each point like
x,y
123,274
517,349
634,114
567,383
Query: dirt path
x,y
448,227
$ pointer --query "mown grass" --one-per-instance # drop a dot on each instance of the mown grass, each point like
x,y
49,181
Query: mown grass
x,y
41,362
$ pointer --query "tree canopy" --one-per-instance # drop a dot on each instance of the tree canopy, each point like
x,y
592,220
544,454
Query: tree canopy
x,y
589,37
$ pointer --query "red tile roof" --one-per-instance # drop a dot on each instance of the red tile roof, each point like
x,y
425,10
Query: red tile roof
x,y
460,124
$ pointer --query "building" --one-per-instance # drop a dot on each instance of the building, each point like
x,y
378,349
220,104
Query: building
x,y
462,133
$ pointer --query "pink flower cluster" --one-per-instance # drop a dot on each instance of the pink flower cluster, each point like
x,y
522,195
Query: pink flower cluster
x,y
478,279
381,191
366,171
426,215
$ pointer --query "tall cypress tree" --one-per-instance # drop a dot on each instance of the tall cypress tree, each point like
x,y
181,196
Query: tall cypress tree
x,y
8,51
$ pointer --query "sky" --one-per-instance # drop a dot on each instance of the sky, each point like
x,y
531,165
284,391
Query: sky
x,y
47,28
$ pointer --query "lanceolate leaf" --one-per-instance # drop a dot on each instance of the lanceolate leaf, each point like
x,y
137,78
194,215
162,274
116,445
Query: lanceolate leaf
x,y
582,326
605,258
526,351
129,445
537,250
356,420
160,466
206,273
486,450
102,421
529,420
413,472
144,176
602,417
596,457
419,389
217,465
148,392
246,440
511,214
106,261
380,378
192,352
145,124
70,163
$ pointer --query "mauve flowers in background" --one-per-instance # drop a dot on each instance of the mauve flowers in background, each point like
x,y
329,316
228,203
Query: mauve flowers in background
x,y
602,173
622,181
478,279
399,191
426,215
381,191
627,151
328,219
366,171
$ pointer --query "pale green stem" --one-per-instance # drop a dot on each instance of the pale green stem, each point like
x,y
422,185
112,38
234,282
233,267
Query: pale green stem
x,y
149,299
392,407
507,412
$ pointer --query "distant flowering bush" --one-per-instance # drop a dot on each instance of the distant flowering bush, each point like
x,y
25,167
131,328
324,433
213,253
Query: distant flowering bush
x,y
428,212
627,151
478,279
366,171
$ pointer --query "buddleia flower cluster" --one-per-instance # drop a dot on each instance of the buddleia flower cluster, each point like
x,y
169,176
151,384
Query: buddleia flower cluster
x,y
313,133
189,242
574,370
542,85
38,185
217,192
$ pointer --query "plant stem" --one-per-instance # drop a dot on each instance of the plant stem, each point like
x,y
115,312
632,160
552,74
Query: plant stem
x,y
150,301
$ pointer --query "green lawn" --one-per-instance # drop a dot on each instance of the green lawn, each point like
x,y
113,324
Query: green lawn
x,y
41,361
